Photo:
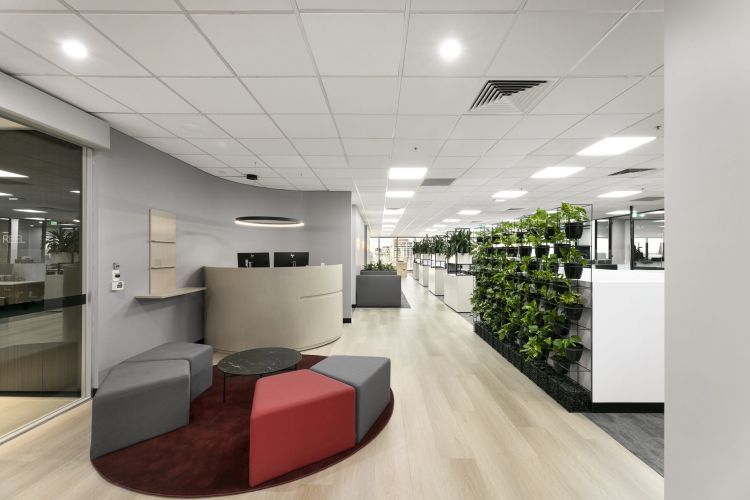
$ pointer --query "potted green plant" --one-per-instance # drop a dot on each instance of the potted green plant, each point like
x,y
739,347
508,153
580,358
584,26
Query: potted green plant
x,y
63,241
565,351
573,263
571,305
459,244
574,216
538,242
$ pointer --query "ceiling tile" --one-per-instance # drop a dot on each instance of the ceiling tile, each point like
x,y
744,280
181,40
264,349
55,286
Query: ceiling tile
x,y
597,126
284,161
355,44
366,126
215,95
249,126
566,38
498,162
201,161
220,146
542,126
242,162
368,5
76,92
437,96
466,5
417,149
183,52
134,125
466,147
318,146
42,33
462,162
259,45
143,95
18,59
645,97
635,47
220,171
479,35
563,147
306,126
130,5
236,5
583,5
653,125
172,145
31,5
333,173
288,95
424,127
368,147
582,95
324,161
368,162
362,95
191,126
269,146
511,147
484,127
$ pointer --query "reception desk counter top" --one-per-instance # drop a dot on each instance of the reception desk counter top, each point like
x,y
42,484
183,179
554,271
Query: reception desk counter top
x,y
296,307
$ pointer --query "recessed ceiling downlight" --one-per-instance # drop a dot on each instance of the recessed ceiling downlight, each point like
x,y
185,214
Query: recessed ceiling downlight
x,y
268,221
74,49
450,49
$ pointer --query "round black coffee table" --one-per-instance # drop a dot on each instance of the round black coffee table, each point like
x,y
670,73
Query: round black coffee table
x,y
257,362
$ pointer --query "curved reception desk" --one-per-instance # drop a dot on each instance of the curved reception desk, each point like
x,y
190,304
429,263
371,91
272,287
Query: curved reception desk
x,y
296,307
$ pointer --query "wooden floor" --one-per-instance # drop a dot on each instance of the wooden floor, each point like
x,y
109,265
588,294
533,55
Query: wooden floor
x,y
466,425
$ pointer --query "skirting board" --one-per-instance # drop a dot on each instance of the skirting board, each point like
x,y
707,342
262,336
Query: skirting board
x,y
627,407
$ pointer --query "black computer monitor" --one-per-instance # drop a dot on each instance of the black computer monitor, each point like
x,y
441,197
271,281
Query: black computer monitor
x,y
259,259
290,259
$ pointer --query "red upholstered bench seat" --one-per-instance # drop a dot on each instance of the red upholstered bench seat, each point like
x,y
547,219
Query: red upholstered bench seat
x,y
297,419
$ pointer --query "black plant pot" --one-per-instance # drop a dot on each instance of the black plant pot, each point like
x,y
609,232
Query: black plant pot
x,y
573,271
560,366
572,311
550,233
573,230
525,251
511,251
534,265
559,247
560,330
541,250
552,265
559,286
573,354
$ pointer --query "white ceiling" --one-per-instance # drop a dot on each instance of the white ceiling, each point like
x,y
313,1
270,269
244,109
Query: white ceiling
x,y
328,94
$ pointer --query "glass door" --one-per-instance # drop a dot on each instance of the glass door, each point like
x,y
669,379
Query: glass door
x,y
41,275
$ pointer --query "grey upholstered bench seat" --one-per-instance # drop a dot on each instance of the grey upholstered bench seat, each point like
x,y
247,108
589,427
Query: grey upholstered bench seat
x,y
138,401
200,357
371,379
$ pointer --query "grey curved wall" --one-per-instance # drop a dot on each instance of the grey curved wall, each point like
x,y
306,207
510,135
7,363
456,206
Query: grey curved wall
x,y
133,177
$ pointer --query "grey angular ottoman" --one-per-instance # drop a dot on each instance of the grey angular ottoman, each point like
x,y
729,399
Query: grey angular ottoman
x,y
138,401
371,379
200,357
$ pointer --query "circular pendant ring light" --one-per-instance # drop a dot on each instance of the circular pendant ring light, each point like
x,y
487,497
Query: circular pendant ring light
x,y
268,221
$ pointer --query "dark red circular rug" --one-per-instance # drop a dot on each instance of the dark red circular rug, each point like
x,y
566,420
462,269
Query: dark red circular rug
x,y
209,456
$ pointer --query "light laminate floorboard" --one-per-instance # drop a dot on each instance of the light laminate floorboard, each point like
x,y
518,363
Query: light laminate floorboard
x,y
466,425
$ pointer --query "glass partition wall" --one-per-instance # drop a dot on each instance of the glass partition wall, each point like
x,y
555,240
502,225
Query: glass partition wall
x,y
390,251
41,275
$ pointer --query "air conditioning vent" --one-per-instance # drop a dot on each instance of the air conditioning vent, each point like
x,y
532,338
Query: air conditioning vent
x,y
649,198
632,171
437,182
509,96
